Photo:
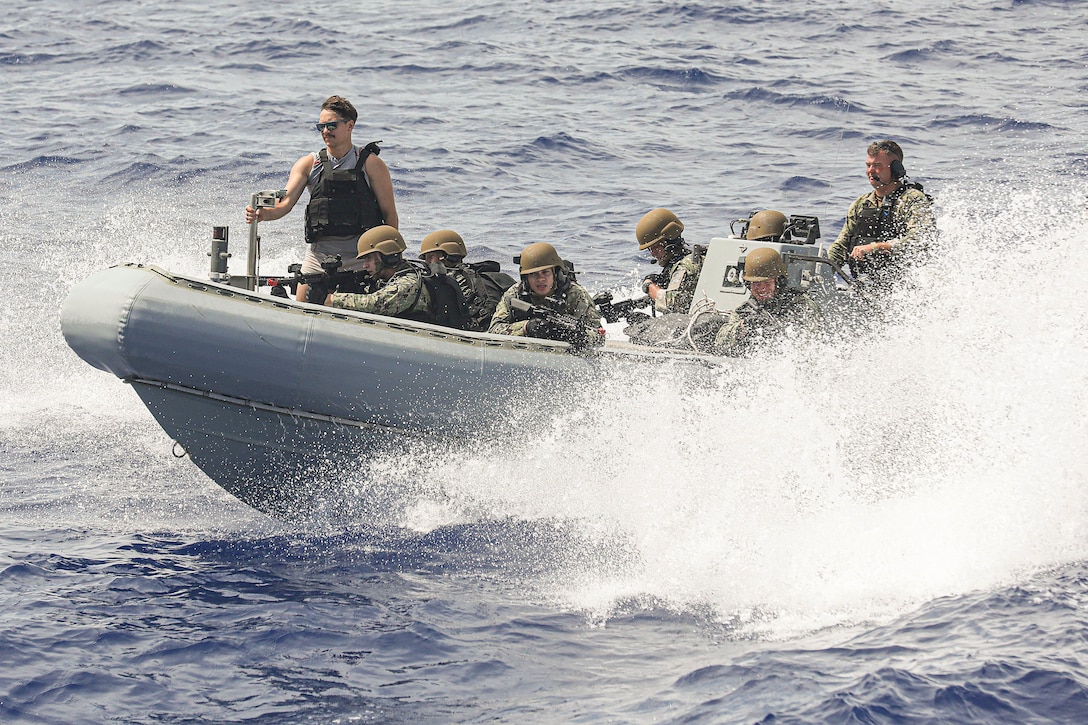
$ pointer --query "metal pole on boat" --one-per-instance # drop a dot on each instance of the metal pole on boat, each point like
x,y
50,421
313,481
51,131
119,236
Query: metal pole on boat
x,y
219,255
259,200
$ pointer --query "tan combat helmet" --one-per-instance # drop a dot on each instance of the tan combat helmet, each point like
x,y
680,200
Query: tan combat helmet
x,y
444,240
659,225
768,225
763,264
384,239
538,256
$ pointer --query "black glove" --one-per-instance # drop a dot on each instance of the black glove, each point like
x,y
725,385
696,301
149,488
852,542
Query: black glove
x,y
539,327
652,279
317,290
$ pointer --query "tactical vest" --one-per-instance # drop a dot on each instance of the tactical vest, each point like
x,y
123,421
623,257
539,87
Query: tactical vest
x,y
482,285
665,276
447,308
770,316
779,306
878,224
342,203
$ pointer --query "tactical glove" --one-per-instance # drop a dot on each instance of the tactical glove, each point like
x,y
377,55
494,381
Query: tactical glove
x,y
538,327
652,279
318,290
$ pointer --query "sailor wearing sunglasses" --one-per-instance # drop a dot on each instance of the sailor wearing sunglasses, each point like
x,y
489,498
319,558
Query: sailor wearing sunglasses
x,y
350,191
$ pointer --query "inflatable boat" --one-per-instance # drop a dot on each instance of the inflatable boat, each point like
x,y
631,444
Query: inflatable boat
x,y
273,398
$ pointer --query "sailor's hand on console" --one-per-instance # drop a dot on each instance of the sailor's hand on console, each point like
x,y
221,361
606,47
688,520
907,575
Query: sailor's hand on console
x,y
861,250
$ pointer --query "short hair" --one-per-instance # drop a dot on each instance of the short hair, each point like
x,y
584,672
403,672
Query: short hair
x,y
888,146
341,107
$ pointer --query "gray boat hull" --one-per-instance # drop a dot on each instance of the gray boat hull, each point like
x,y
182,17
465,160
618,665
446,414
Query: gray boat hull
x,y
275,399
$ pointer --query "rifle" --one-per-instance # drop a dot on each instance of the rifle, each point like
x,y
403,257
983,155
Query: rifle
x,y
329,279
615,311
555,325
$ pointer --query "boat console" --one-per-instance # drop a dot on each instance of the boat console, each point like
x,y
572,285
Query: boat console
x,y
722,278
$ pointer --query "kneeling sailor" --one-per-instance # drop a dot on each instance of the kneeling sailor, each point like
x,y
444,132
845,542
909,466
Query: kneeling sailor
x,y
399,290
772,308
546,303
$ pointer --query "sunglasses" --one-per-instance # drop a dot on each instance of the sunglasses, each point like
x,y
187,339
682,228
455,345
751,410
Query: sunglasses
x,y
331,125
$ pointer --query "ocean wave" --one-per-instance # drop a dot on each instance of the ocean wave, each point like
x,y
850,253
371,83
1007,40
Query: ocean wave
x,y
670,77
26,58
762,94
990,123
804,184
45,161
150,88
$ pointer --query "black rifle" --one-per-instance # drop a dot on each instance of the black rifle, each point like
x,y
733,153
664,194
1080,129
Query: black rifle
x,y
615,311
556,325
330,279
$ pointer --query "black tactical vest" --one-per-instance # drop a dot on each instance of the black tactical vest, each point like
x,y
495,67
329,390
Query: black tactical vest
x,y
341,203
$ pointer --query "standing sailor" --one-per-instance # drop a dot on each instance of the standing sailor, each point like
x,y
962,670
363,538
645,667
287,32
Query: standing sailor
x,y
350,191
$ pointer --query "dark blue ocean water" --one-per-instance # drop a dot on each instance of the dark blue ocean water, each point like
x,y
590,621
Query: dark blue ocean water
x,y
914,550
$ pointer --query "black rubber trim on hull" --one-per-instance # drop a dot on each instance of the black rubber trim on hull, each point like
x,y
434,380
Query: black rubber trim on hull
x,y
268,407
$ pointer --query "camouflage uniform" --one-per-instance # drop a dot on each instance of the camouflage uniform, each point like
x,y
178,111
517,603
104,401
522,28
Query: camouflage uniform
x,y
402,295
754,321
576,302
681,278
910,230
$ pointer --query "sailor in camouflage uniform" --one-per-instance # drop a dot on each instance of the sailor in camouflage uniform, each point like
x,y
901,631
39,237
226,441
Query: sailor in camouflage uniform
x,y
481,283
772,309
889,227
544,283
398,288
673,289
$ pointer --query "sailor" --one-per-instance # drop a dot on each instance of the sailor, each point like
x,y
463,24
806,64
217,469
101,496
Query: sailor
x,y
672,289
398,286
481,283
350,191
545,284
891,226
766,226
772,308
